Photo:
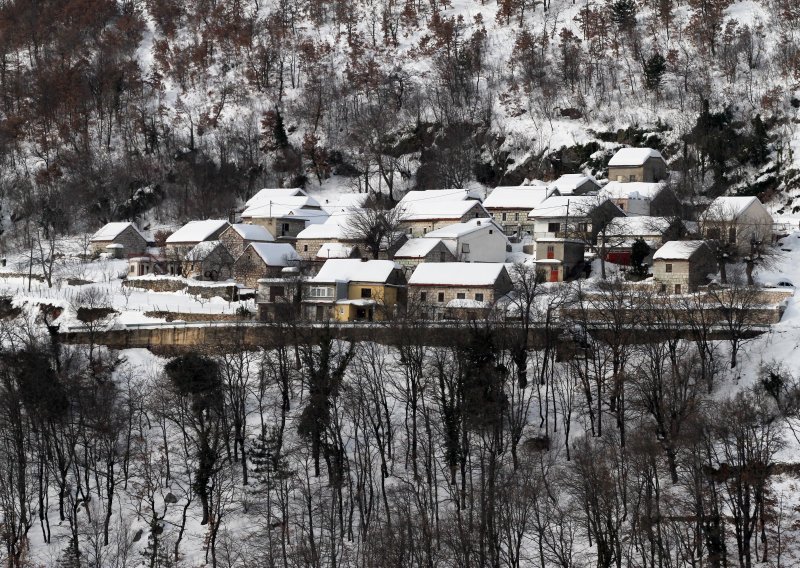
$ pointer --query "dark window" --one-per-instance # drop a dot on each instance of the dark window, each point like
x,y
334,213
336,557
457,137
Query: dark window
x,y
423,296
442,257
465,247
583,227
732,235
366,292
461,296
553,227
479,297
677,288
491,231
305,248
516,216
713,233
504,216
632,178
668,268
441,297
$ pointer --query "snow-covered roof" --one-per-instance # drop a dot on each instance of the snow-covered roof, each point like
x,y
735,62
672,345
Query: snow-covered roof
x,y
678,250
343,202
111,231
568,183
417,248
558,206
283,206
332,228
638,226
456,274
275,194
335,250
274,254
728,208
201,250
355,270
254,233
632,190
437,195
466,303
633,156
422,210
521,197
196,231
457,230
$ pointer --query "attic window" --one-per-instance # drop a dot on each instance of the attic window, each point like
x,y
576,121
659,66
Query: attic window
x,y
491,231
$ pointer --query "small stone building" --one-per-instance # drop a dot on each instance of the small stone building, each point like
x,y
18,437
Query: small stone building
x,y
208,260
457,290
124,234
263,260
737,221
510,206
682,266
422,217
419,250
237,236
642,198
637,164
179,243
575,184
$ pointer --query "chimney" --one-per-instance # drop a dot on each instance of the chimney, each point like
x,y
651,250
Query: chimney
x,y
479,222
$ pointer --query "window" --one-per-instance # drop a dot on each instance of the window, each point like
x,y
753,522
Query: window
x,y
479,297
621,205
321,292
131,270
305,248
551,251
491,231
504,216
410,230
465,248
425,231
440,297
423,296
668,268
677,288
631,177
366,292
732,235
583,227
284,228
516,216
663,288
553,227
461,296
442,257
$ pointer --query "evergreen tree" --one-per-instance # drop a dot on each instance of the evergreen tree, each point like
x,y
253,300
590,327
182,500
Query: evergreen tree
x,y
623,13
639,252
654,69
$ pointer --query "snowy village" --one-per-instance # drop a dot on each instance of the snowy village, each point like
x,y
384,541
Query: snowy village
x,y
399,284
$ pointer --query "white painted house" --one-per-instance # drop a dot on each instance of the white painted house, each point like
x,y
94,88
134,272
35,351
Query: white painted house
x,y
476,240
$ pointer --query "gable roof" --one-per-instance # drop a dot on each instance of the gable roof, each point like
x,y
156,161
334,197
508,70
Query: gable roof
x,y
284,206
111,231
568,183
275,194
335,250
457,230
728,208
355,270
422,210
633,156
417,248
274,254
255,233
632,190
522,197
196,231
430,195
202,250
678,250
457,274
332,228
343,202
638,225
558,206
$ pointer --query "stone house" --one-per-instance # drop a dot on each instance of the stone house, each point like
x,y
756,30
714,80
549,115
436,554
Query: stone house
x,y
311,239
559,259
681,266
354,290
179,243
737,221
421,217
285,217
208,260
453,289
121,233
263,260
578,217
621,232
238,235
509,206
274,194
642,198
575,184
637,164
427,249
476,240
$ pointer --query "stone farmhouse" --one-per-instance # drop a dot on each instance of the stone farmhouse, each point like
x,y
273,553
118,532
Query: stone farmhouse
x,y
284,216
457,290
119,239
621,232
575,184
637,164
237,236
421,217
509,206
643,198
681,266
738,221
184,239
427,249
263,260
476,240
208,260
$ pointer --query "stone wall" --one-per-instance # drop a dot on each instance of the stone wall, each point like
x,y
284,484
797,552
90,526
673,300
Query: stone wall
x,y
224,290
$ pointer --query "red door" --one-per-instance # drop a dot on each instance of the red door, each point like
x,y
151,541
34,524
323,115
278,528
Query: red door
x,y
554,274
